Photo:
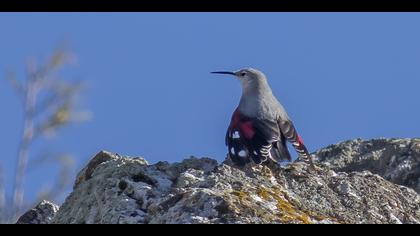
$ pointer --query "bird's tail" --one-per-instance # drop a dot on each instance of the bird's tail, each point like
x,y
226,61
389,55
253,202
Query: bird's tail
x,y
290,133
279,152
304,153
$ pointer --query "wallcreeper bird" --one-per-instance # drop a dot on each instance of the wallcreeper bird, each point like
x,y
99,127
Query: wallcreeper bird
x,y
260,126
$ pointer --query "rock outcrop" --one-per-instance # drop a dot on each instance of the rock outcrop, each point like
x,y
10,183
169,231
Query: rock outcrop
x,y
355,182
43,213
396,160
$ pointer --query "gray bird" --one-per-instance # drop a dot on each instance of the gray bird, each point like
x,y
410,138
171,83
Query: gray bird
x,y
260,126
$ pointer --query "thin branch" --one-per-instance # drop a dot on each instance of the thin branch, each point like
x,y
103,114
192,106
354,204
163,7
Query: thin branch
x,y
58,91
23,154
34,84
40,117
66,163
3,211
16,85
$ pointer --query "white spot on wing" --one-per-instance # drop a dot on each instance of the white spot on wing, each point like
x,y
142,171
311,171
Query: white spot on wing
x,y
236,134
232,151
255,153
242,153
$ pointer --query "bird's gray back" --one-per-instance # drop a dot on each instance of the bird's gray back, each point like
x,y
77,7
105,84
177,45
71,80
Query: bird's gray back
x,y
262,104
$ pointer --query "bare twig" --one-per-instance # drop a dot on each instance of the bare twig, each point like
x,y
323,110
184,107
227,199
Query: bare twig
x,y
23,154
16,85
66,165
3,212
48,104
58,91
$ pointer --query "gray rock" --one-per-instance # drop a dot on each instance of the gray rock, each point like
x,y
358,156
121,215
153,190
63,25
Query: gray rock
x,y
42,213
396,160
114,189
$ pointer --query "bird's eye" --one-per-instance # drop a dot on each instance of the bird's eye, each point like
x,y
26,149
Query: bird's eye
x,y
243,74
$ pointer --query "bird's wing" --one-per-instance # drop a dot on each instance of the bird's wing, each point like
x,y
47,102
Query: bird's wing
x,y
289,131
252,138
270,132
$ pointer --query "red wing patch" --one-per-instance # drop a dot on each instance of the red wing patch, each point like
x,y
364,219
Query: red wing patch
x,y
247,129
236,117
250,139
300,141
245,126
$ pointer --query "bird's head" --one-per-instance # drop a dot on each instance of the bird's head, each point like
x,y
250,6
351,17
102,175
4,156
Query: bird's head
x,y
249,77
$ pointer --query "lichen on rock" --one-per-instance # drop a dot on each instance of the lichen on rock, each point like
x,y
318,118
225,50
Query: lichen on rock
x,y
355,182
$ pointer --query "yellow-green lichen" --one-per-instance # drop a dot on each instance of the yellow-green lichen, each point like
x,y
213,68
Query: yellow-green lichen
x,y
242,195
288,213
264,194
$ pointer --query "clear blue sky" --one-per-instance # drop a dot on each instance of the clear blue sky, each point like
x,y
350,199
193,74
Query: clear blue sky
x,y
339,75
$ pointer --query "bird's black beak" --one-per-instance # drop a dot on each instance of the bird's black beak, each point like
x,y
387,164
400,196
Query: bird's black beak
x,y
223,72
